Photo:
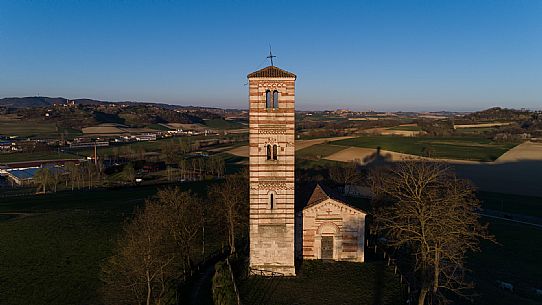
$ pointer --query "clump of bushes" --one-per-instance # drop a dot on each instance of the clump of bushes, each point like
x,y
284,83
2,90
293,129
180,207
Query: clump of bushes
x,y
223,287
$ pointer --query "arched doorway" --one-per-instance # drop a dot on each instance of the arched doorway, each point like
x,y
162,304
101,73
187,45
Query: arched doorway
x,y
327,241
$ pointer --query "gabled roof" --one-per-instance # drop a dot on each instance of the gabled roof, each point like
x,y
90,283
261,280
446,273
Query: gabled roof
x,y
321,194
271,72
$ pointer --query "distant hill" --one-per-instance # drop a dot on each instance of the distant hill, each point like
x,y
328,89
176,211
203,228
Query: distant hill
x,y
497,114
42,101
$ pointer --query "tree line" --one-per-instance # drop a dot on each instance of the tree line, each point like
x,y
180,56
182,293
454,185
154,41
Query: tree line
x,y
169,235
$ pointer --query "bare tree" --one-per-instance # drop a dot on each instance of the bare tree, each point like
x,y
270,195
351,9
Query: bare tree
x,y
184,222
182,168
231,203
344,176
154,249
422,208
170,150
43,179
128,172
73,172
143,264
56,178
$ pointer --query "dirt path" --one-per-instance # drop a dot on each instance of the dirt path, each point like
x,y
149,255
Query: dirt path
x,y
201,292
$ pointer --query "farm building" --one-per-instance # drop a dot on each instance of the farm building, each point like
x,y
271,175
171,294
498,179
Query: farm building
x,y
22,173
329,228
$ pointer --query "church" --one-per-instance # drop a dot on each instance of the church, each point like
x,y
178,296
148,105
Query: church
x,y
323,226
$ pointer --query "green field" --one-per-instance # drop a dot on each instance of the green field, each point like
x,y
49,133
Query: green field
x,y
15,127
508,203
315,152
224,124
28,156
406,128
463,148
158,127
516,260
319,283
52,254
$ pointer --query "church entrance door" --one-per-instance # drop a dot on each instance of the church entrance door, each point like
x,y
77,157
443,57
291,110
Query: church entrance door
x,y
327,247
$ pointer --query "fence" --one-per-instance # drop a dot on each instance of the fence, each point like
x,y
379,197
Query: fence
x,y
260,285
406,282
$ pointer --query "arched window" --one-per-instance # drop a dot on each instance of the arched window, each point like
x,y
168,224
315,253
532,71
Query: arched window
x,y
272,200
269,156
268,99
275,99
274,152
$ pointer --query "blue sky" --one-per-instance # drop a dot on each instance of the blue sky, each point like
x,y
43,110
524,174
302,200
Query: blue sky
x,y
381,55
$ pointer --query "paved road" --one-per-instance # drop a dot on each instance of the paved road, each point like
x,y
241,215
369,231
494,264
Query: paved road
x,y
518,218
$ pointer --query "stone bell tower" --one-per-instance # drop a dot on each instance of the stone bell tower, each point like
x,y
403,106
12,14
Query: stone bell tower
x,y
271,167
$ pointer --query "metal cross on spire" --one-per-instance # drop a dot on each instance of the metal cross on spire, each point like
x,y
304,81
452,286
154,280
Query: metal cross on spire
x,y
271,55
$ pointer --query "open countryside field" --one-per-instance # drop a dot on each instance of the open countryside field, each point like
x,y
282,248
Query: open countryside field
x,y
224,124
27,156
53,254
242,151
360,154
516,204
462,148
406,127
318,151
12,126
112,129
481,125
525,151
515,259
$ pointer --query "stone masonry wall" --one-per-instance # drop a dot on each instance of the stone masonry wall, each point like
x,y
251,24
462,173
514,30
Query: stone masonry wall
x,y
272,229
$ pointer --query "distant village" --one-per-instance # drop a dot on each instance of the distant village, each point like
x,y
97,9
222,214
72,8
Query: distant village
x,y
107,134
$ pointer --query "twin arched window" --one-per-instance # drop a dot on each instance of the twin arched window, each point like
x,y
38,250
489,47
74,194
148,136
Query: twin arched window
x,y
271,99
272,151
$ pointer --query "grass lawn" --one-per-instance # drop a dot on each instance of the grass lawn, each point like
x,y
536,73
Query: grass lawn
x,y
55,258
465,148
53,255
318,282
516,260
526,205
318,151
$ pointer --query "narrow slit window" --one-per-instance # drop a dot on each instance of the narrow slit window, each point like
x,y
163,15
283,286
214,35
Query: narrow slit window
x,y
268,99
271,200
275,99
275,152
269,152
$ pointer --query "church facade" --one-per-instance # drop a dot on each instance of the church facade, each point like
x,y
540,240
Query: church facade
x,y
326,229
331,229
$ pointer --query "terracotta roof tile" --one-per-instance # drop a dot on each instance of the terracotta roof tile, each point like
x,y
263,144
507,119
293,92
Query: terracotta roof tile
x,y
321,194
317,196
272,72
